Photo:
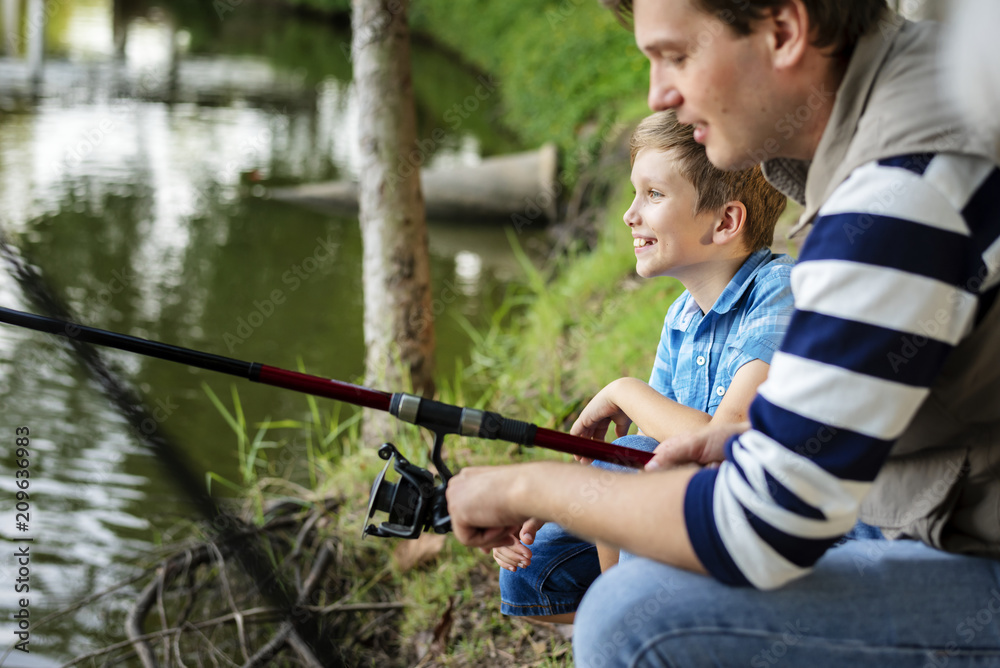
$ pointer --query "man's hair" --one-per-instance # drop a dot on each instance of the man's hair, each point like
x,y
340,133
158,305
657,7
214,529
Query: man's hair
x,y
835,23
713,187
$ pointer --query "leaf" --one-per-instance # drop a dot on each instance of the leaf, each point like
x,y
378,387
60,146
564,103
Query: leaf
x,y
410,553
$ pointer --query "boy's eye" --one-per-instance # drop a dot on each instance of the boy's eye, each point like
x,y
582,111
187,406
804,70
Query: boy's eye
x,y
654,194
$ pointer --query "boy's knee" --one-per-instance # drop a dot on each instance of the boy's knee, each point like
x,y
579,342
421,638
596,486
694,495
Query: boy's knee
x,y
511,582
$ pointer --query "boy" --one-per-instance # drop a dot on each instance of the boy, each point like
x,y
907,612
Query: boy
x,y
711,231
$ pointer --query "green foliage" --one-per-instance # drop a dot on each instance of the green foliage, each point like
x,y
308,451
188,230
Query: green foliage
x,y
331,6
563,67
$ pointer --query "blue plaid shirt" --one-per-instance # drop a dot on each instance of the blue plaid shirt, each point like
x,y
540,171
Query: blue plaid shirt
x,y
700,353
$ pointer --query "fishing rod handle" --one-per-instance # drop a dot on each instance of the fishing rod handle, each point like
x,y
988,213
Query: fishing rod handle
x,y
449,419
446,418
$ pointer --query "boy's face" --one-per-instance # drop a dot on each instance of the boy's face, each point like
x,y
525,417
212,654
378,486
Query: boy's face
x,y
715,80
669,238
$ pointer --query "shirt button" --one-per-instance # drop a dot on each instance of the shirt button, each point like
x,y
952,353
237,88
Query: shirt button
x,y
720,390
700,360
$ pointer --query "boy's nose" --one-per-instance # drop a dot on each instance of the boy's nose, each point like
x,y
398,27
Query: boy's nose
x,y
631,216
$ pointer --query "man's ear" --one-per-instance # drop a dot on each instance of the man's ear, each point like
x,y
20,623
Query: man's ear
x,y
729,227
788,31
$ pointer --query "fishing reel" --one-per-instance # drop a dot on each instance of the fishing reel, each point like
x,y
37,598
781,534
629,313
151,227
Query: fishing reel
x,y
416,502
413,504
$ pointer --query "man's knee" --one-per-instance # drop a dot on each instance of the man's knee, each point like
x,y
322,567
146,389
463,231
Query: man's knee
x,y
620,609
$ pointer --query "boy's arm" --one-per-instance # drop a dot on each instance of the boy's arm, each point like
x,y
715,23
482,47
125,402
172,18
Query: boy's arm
x,y
629,400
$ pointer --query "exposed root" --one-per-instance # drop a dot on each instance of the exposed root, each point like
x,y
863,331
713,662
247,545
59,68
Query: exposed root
x,y
199,608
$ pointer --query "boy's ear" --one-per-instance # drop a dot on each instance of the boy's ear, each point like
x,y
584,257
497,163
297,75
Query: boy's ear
x,y
788,29
730,225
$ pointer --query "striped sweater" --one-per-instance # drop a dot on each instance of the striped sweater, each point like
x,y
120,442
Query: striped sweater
x,y
901,260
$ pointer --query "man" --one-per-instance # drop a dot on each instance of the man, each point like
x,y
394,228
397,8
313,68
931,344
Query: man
x,y
891,367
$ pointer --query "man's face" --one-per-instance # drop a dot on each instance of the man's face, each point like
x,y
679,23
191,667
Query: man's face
x,y
715,80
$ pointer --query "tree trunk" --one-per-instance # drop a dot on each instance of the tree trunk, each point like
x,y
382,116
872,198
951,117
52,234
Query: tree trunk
x,y
12,27
399,326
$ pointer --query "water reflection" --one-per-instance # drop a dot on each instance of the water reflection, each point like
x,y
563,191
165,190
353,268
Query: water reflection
x,y
128,175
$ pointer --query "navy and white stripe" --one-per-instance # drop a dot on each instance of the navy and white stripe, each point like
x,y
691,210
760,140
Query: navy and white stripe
x,y
892,277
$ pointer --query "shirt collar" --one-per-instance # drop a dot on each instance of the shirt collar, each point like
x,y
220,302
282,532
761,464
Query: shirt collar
x,y
739,283
730,296
809,182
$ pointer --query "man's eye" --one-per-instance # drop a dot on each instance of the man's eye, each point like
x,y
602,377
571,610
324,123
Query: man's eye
x,y
677,61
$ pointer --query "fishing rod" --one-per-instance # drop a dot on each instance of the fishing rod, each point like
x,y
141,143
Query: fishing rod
x,y
416,502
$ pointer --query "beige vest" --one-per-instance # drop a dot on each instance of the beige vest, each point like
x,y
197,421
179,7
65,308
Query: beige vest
x,y
941,483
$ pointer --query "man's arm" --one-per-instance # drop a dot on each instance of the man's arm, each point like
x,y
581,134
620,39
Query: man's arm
x,y
642,514
893,258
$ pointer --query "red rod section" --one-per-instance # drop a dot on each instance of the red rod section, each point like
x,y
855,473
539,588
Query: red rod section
x,y
324,387
585,447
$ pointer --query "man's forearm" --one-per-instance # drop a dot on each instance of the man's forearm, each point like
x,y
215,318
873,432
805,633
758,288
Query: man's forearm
x,y
642,514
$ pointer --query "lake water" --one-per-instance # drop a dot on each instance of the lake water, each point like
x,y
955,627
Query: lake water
x,y
134,177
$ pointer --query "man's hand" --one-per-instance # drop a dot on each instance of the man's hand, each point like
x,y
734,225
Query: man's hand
x,y
705,447
479,503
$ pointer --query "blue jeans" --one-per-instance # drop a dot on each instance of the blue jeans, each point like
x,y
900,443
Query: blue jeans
x,y
869,602
562,565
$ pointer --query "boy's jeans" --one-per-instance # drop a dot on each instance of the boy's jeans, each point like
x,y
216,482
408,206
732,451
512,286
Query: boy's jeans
x,y
562,565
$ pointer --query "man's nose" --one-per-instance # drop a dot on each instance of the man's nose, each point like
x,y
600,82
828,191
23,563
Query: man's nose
x,y
663,94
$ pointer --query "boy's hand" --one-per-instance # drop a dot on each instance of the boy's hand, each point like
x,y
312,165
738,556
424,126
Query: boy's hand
x,y
602,410
517,555
705,447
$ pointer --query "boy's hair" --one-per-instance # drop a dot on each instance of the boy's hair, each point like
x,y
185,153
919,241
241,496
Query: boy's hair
x,y
713,187
835,23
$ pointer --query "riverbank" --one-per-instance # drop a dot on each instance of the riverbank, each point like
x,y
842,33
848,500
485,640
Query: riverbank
x,y
580,323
